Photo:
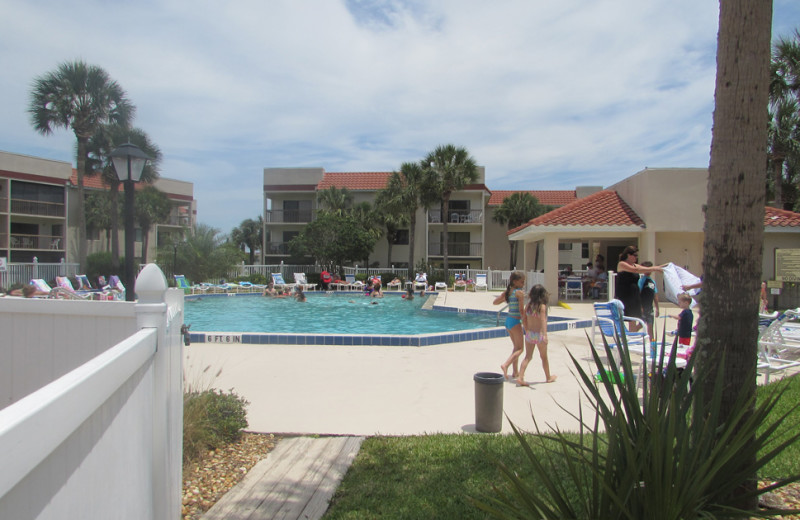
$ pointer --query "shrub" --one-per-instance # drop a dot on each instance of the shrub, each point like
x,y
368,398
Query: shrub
x,y
211,419
659,458
98,264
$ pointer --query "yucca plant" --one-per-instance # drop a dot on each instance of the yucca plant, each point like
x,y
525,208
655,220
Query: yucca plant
x,y
659,457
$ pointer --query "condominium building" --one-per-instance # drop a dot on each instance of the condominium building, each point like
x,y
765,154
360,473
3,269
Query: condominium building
x,y
475,239
38,211
33,208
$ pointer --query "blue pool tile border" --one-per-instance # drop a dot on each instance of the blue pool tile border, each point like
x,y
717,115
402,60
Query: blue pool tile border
x,y
421,340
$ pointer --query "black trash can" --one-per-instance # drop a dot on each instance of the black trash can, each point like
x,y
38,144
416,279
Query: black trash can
x,y
488,401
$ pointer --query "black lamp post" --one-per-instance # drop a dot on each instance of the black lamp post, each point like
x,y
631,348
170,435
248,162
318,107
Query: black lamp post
x,y
129,161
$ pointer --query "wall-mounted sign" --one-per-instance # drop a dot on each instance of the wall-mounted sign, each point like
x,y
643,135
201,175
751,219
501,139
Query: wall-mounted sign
x,y
787,265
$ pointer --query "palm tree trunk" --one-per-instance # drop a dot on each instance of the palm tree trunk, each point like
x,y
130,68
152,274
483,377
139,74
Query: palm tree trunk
x,y
145,233
777,172
81,170
445,238
411,228
115,226
728,327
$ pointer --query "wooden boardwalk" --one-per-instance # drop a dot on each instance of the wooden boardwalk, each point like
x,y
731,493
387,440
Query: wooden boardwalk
x,y
295,481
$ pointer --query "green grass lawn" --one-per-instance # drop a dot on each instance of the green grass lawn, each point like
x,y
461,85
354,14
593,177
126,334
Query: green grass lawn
x,y
432,476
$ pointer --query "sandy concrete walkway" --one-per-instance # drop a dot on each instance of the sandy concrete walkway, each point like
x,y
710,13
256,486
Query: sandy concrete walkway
x,y
391,390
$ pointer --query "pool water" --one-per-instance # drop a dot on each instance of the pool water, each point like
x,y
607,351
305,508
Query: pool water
x,y
327,314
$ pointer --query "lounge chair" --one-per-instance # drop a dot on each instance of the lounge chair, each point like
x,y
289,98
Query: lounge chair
x,y
116,287
480,282
64,283
609,322
421,281
83,283
773,341
181,283
440,285
300,279
337,284
397,284
460,282
352,283
280,283
41,285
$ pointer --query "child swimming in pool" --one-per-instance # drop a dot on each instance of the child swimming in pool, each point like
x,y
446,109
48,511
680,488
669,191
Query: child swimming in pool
x,y
535,321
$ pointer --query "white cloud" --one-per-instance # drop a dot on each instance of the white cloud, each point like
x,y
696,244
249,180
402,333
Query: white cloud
x,y
546,95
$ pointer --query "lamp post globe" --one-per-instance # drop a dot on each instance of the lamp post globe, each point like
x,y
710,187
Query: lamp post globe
x,y
129,162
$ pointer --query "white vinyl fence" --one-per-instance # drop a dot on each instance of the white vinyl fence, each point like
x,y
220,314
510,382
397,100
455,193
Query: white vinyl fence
x,y
98,434
23,273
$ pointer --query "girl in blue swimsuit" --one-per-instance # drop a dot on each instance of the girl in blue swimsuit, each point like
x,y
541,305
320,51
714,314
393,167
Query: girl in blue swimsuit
x,y
515,297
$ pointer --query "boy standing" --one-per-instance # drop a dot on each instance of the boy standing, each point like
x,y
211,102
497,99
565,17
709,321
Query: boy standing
x,y
685,319
649,297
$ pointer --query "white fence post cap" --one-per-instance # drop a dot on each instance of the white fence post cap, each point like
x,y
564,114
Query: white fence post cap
x,y
151,285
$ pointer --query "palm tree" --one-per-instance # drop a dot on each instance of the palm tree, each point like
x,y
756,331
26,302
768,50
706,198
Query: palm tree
x,y
453,168
100,146
517,209
152,206
248,236
391,218
83,98
335,200
99,213
783,141
728,325
407,191
785,68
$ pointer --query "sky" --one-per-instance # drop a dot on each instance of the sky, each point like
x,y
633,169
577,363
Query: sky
x,y
545,95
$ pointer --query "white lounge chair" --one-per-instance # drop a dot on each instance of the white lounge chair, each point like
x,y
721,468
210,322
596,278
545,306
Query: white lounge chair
x,y
460,282
397,285
421,281
280,283
300,279
440,286
480,282
352,283
773,342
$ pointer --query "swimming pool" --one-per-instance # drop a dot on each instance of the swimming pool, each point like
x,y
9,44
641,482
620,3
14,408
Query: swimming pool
x,y
328,314
207,314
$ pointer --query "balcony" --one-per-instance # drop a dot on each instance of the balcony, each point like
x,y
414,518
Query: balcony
x,y
298,216
41,242
277,248
457,216
463,249
33,207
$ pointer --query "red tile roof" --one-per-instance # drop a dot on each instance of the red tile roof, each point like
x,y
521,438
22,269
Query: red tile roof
x,y
96,182
604,208
546,197
775,217
371,181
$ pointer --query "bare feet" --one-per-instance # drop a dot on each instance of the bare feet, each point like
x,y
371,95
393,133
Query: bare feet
x,y
520,382
504,368
552,379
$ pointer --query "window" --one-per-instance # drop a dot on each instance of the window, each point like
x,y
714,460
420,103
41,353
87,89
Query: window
x,y
565,246
37,192
400,237
289,235
585,250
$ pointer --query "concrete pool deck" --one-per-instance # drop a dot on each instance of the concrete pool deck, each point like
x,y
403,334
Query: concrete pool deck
x,y
376,390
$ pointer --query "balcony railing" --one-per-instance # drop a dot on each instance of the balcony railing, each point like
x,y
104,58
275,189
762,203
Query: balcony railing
x,y
300,216
36,242
3,204
457,216
32,207
277,248
470,249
